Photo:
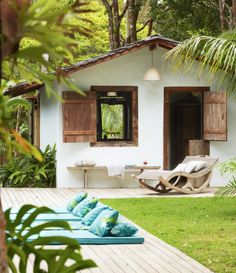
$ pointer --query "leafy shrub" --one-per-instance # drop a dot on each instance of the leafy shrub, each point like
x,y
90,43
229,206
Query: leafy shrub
x,y
26,171
228,168
20,229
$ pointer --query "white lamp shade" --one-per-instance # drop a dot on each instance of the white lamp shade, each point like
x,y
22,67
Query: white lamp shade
x,y
152,74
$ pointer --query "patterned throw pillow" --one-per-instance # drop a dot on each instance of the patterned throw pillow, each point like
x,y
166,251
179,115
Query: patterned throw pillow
x,y
93,214
84,207
123,228
104,222
76,200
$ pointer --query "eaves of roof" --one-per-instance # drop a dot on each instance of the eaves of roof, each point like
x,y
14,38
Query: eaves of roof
x,y
21,89
151,40
24,87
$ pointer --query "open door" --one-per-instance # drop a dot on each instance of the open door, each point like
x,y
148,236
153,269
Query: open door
x,y
193,116
215,116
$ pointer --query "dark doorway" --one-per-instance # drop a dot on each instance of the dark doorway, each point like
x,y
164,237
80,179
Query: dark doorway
x,y
185,124
183,121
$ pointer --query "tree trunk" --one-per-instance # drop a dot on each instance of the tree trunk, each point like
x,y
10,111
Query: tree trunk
x,y
132,18
114,21
234,13
18,118
222,16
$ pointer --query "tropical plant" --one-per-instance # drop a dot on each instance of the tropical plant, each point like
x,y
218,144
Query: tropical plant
x,y
32,30
216,58
20,105
41,28
10,139
228,168
112,120
26,171
24,240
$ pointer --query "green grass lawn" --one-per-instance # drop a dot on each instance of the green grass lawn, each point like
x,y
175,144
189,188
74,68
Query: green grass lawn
x,y
203,228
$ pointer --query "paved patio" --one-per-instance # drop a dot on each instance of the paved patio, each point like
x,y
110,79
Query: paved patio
x,y
151,257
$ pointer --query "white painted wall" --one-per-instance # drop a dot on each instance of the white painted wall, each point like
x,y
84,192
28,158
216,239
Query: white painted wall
x,y
125,70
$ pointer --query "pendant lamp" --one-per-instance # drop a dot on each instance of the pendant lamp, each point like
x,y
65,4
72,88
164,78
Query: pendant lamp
x,y
152,73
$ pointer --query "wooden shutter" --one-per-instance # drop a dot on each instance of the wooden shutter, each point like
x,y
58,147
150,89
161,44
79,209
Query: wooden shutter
x,y
79,117
215,116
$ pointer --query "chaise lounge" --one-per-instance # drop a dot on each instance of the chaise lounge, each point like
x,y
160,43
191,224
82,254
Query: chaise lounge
x,y
193,175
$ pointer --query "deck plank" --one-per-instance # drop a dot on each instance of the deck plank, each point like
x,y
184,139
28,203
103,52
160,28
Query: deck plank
x,y
152,256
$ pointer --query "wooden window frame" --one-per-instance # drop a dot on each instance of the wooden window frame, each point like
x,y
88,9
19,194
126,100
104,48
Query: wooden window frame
x,y
134,115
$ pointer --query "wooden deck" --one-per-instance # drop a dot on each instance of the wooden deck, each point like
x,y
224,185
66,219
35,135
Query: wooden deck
x,y
152,257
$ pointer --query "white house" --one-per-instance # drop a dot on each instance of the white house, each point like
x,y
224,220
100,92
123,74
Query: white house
x,y
159,118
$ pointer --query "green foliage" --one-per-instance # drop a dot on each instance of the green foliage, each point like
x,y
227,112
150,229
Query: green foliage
x,y
26,171
11,140
98,42
183,18
14,103
216,56
20,230
200,227
228,168
112,120
227,190
49,29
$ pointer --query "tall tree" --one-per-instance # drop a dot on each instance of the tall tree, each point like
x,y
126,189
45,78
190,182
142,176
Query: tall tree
x,y
127,12
114,20
227,14
182,19
234,13
132,18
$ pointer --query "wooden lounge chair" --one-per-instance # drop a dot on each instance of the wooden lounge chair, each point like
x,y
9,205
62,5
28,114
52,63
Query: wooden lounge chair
x,y
187,181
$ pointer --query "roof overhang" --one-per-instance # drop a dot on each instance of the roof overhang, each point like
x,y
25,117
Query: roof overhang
x,y
150,41
24,87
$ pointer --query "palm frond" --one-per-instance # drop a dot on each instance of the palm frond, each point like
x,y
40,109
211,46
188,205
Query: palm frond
x,y
228,167
216,56
228,190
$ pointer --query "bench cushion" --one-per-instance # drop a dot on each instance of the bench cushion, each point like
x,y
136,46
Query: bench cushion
x,y
88,238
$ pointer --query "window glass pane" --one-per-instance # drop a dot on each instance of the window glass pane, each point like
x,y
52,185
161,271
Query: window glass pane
x,y
112,121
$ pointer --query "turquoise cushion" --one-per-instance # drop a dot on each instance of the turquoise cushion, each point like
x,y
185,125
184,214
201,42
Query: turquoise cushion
x,y
104,222
123,228
84,207
76,200
88,238
93,214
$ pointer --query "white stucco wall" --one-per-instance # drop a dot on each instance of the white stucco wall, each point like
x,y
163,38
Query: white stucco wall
x,y
125,70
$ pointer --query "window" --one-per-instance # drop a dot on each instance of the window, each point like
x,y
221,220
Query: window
x,y
107,116
114,116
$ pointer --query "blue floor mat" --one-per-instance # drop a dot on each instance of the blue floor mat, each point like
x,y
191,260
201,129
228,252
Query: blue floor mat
x,y
57,210
50,217
88,238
